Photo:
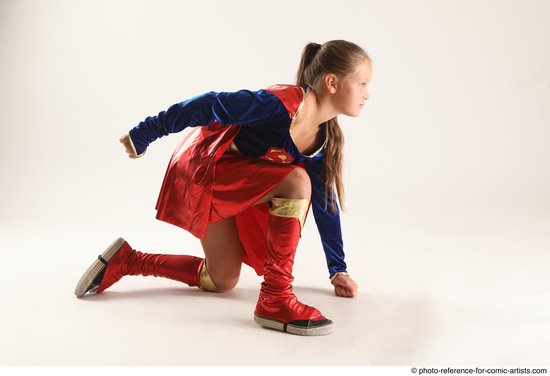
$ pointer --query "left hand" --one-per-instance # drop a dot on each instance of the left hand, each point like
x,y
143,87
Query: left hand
x,y
127,142
344,286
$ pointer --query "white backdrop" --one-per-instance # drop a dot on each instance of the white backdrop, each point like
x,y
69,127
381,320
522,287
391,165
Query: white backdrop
x,y
458,120
453,141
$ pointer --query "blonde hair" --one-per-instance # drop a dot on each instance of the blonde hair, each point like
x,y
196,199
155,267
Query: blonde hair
x,y
340,58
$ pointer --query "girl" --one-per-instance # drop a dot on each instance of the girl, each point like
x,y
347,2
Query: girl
x,y
243,181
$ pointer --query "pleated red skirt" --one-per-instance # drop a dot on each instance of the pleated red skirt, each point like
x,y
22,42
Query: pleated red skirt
x,y
234,185
239,183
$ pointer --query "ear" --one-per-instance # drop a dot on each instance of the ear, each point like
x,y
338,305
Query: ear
x,y
331,83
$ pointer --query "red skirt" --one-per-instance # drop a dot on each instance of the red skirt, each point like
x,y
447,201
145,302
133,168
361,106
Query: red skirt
x,y
206,184
239,183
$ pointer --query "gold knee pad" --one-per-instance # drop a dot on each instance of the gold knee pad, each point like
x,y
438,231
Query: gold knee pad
x,y
206,282
290,208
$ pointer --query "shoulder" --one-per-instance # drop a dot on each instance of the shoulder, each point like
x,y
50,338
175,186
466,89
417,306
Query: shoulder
x,y
290,95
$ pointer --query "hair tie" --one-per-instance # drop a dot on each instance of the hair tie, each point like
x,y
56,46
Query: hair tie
x,y
317,47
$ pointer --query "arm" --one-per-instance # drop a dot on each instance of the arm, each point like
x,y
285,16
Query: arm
x,y
243,107
330,231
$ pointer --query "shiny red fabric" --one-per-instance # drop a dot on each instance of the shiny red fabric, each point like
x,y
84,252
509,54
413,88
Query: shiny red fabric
x,y
126,261
227,186
204,185
277,301
290,96
113,272
186,192
240,182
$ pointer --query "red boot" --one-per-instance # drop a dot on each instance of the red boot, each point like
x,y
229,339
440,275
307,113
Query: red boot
x,y
278,308
120,260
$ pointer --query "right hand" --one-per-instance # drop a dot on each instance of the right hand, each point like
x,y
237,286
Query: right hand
x,y
344,286
125,140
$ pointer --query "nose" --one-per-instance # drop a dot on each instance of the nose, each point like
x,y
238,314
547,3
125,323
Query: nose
x,y
366,95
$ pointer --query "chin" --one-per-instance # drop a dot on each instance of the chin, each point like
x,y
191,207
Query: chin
x,y
352,112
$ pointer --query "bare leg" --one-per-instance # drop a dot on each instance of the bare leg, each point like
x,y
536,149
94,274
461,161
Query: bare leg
x,y
224,252
295,185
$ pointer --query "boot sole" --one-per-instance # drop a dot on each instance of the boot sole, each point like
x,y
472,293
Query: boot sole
x,y
85,284
293,329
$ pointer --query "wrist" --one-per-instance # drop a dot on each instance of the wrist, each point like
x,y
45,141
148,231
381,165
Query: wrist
x,y
337,274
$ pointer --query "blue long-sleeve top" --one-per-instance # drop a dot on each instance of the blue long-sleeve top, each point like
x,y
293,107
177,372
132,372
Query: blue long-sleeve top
x,y
264,133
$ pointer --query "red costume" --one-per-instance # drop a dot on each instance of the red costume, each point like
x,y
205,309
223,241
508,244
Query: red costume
x,y
212,175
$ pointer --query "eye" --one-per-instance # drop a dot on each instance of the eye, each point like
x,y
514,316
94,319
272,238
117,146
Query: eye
x,y
363,84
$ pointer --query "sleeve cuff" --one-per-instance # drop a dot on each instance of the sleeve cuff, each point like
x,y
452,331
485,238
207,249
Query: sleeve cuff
x,y
336,275
134,147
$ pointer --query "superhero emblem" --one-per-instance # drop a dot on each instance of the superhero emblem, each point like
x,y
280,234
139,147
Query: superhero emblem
x,y
278,156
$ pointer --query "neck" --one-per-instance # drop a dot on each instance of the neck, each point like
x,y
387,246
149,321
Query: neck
x,y
318,109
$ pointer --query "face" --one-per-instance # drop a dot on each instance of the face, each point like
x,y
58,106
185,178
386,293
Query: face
x,y
350,93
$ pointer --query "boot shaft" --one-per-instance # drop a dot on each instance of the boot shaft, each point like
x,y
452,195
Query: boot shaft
x,y
124,261
278,307
283,234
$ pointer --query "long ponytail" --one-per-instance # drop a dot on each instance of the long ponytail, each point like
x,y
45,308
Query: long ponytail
x,y
340,58
308,54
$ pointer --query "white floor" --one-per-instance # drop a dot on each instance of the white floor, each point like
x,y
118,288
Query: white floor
x,y
432,292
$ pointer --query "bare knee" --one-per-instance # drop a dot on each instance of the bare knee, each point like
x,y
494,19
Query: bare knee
x,y
227,284
223,250
224,279
295,185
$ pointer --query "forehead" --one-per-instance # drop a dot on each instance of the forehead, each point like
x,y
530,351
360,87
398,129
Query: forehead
x,y
363,70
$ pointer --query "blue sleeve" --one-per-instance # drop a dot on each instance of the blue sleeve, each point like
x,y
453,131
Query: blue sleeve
x,y
328,223
243,107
